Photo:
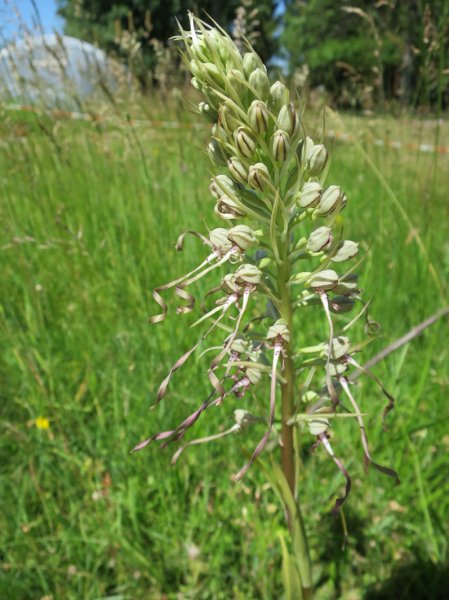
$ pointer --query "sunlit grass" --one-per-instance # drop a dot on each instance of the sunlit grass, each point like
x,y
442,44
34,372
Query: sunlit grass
x,y
87,214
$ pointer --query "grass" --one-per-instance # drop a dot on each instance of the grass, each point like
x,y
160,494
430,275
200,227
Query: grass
x,y
89,214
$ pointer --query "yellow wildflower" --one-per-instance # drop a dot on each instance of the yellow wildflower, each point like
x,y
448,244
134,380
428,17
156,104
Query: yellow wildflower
x,y
42,423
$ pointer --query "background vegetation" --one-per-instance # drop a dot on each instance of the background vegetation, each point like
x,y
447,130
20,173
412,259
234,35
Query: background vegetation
x,y
89,213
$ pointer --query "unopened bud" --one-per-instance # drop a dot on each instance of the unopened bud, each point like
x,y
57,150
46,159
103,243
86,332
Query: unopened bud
x,y
216,154
245,142
237,80
219,239
301,277
306,148
222,185
279,330
196,70
228,118
229,284
258,116
239,345
207,111
337,369
242,235
238,170
211,72
248,274
341,304
340,347
218,133
320,239
310,195
251,62
346,250
330,201
259,177
348,284
227,209
279,96
254,374
288,119
309,396
280,145
316,159
261,84
324,280
196,84
318,426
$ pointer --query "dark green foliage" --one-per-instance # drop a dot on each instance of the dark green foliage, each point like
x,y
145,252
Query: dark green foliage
x,y
103,22
393,48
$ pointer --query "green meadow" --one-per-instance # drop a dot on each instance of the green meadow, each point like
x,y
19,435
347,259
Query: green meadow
x,y
89,215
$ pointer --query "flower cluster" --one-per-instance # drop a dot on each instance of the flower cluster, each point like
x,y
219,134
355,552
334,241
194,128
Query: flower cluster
x,y
269,174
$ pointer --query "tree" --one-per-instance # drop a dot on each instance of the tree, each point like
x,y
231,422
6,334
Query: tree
x,y
395,48
125,26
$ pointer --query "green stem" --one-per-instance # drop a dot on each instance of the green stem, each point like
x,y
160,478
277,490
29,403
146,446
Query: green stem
x,y
287,410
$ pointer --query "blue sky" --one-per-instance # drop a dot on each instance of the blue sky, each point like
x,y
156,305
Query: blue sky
x,y
10,22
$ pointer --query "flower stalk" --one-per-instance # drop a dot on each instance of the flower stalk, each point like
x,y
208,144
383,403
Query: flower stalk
x,y
269,174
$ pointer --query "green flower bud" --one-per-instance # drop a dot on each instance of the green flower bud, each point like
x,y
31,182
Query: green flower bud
x,y
228,118
223,185
280,145
301,277
236,80
306,148
251,62
259,177
211,73
341,304
216,154
245,142
345,250
279,330
331,200
215,43
196,70
254,374
310,195
340,347
240,345
242,235
227,209
196,84
249,274
318,426
288,119
336,369
229,284
316,159
258,117
279,96
348,285
219,239
320,239
265,262
261,84
218,133
207,111
309,396
324,280
238,170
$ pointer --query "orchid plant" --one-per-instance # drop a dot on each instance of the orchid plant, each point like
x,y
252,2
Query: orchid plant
x,y
282,245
